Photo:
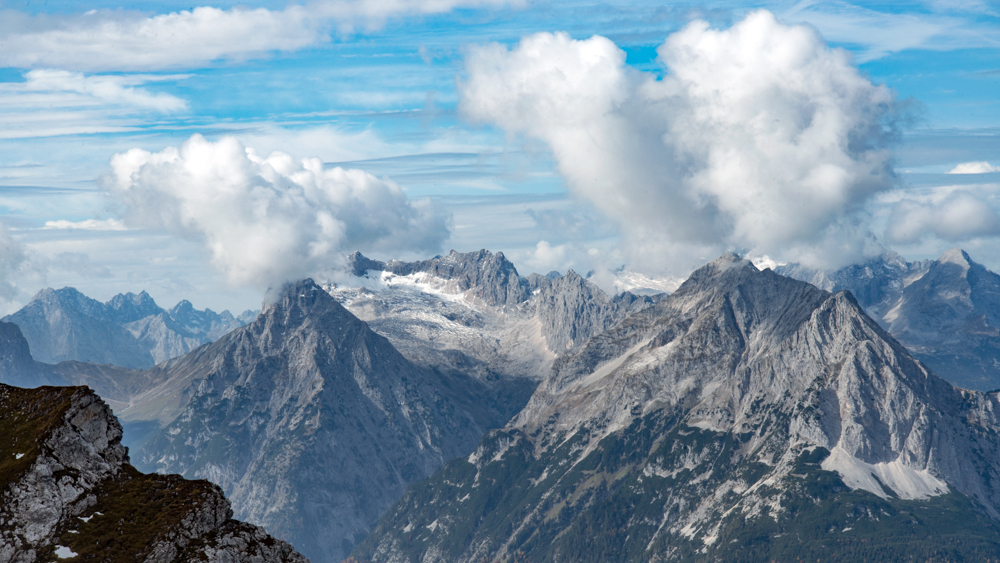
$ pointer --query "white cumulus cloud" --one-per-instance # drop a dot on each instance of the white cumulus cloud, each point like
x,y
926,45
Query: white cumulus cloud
x,y
268,220
981,167
759,136
958,217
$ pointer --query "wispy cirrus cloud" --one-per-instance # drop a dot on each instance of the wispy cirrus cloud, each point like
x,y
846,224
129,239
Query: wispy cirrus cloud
x,y
103,40
944,25
87,225
51,103
105,89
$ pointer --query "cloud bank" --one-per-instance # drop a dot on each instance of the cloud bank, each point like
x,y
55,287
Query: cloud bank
x,y
759,136
132,41
13,264
268,220
958,217
981,167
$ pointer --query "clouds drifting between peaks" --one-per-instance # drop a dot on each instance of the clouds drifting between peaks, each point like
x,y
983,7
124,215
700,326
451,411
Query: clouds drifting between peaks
x,y
268,220
759,136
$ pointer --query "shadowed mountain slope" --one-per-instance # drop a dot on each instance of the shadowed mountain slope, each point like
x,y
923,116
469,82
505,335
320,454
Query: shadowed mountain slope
x,y
312,423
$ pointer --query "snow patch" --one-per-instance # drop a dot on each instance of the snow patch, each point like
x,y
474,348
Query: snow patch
x,y
18,456
432,526
63,552
906,482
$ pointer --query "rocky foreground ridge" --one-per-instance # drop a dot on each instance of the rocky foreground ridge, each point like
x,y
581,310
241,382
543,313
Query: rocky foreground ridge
x,y
69,493
747,417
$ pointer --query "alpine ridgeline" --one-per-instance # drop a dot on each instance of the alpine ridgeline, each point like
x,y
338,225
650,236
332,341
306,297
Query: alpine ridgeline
x,y
945,311
311,422
68,492
746,417
129,330
472,313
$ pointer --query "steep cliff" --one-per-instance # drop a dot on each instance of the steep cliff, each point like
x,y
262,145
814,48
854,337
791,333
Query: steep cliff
x,y
68,492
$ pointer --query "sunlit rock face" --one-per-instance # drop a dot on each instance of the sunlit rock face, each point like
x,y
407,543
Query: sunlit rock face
x,y
945,311
748,415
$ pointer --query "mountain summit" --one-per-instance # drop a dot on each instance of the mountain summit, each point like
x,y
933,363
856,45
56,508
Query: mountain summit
x,y
312,423
748,416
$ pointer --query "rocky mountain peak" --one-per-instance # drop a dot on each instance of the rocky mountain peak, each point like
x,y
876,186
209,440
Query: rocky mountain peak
x,y
484,275
68,297
743,401
301,300
956,256
720,272
311,422
129,307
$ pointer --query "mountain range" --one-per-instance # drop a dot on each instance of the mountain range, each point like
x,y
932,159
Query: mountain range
x,y
130,330
745,405
748,416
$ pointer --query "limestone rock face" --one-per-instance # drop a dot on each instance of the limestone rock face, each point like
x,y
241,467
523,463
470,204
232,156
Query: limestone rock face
x,y
68,489
747,416
945,311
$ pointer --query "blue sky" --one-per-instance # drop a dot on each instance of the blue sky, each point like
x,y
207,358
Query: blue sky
x,y
376,86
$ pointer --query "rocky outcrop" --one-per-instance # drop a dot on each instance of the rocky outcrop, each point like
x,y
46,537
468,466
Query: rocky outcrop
x,y
572,310
312,423
748,416
68,492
